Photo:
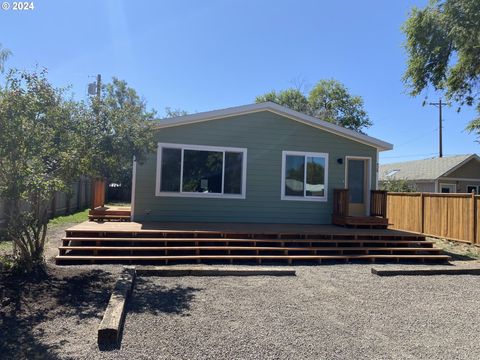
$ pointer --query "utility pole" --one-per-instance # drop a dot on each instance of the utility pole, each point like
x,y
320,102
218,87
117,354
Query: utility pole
x,y
440,145
99,85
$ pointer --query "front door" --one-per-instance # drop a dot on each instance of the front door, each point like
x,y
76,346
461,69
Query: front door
x,y
358,186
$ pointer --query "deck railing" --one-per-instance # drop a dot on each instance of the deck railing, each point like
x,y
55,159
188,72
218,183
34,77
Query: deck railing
x,y
378,203
340,202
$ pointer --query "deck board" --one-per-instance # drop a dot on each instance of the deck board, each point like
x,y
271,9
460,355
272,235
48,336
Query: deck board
x,y
240,228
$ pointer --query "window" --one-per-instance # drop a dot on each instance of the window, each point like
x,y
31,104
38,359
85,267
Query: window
x,y
201,171
473,188
448,188
304,176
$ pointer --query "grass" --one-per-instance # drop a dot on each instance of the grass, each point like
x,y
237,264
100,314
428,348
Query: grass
x,y
77,217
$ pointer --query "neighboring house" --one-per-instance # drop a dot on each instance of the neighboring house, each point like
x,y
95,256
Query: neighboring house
x,y
450,174
259,163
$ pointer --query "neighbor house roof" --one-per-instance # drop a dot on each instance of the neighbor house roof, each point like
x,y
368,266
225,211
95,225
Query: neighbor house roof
x,y
280,110
426,169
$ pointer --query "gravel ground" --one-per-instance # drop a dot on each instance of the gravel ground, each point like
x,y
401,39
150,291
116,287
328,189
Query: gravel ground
x,y
326,312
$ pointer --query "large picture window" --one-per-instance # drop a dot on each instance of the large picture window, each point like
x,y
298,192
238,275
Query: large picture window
x,y
304,176
201,171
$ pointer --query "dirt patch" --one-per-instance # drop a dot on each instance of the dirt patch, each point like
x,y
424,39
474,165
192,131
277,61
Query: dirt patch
x,y
38,316
457,250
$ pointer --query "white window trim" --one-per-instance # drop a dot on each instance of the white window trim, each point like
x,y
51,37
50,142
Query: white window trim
x,y
305,155
440,185
477,187
201,148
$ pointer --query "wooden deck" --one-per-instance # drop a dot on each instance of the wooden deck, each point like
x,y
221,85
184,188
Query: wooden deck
x,y
110,213
228,228
133,242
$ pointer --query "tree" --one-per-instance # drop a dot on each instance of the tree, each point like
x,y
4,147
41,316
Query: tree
x,y
41,153
120,128
171,113
329,100
397,185
4,55
291,98
443,48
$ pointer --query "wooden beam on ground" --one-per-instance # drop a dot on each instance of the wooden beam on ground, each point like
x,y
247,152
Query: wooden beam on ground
x,y
210,271
428,271
110,328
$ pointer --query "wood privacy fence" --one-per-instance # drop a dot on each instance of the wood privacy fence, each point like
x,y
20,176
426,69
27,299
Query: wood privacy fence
x,y
449,216
61,204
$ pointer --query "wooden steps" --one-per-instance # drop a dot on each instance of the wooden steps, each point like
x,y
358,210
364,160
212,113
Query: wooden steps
x,y
279,242
114,244
245,248
289,258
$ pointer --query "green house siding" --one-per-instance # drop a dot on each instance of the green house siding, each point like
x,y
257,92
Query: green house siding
x,y
265,135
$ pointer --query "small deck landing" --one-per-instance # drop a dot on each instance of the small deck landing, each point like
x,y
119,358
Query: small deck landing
x,y
110,213
360,221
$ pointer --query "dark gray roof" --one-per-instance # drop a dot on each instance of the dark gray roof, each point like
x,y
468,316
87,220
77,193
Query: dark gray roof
x,y
426,169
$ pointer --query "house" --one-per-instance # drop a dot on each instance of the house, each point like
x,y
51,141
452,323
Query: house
x,y
450,174
259,163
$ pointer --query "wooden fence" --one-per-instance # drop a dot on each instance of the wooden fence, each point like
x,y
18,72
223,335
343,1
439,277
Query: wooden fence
x,y
449,216
61,204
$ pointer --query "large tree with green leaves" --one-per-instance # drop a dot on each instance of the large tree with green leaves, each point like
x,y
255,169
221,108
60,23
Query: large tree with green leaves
x,y
121,128
291,98
443,48
328,100
41,152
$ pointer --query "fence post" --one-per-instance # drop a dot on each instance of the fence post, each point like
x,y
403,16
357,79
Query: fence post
x,y
54,206
474,218
67,202
422,212
79,193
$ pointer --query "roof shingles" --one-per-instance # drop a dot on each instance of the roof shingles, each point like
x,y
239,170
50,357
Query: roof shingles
x,y
426,169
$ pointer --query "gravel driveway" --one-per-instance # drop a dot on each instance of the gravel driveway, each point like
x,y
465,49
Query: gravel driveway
x,y
326,312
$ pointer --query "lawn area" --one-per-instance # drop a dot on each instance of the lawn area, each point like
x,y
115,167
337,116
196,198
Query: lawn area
x,y
77,217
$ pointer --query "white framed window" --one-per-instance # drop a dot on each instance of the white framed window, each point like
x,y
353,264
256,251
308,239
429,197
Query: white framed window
x,y
201,171
448,188
304,176
473,188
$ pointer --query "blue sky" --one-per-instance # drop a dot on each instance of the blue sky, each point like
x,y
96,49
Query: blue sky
x,y
205,55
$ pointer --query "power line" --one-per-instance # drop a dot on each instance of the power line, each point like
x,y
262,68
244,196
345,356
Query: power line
x,y
417,138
